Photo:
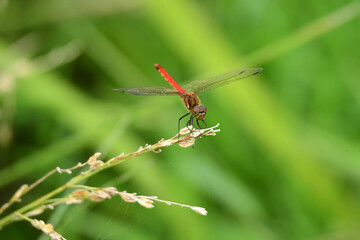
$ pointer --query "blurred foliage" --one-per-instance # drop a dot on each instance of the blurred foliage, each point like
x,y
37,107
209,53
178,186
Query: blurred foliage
x,y
286,163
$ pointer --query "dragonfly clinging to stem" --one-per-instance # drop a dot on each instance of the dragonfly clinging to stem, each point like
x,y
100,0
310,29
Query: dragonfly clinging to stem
x,y
189,92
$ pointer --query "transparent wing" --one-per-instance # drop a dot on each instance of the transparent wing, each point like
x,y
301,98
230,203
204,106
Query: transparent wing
x,y
200,86
148,91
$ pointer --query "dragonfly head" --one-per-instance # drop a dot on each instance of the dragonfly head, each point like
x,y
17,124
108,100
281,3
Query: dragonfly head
x,y
199,111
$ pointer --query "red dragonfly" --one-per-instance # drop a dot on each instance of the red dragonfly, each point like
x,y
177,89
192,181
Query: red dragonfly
x,y
189,91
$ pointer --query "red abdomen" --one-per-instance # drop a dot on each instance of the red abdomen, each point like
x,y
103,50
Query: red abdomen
x,y
169,79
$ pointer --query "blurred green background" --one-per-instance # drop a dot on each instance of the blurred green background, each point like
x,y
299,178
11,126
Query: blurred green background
x,y
286,164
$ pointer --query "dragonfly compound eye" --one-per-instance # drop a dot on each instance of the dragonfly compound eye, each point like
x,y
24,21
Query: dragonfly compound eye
x,y
199,111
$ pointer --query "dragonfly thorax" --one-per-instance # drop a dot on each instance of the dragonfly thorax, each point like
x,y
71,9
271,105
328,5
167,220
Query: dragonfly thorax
x,y
190,100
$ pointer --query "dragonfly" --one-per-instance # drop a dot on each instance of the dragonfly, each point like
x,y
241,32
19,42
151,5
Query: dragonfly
x,y
189,92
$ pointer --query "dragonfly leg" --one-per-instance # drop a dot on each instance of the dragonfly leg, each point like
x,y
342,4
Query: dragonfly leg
x,y
190,122
204,123
179,124
197,122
